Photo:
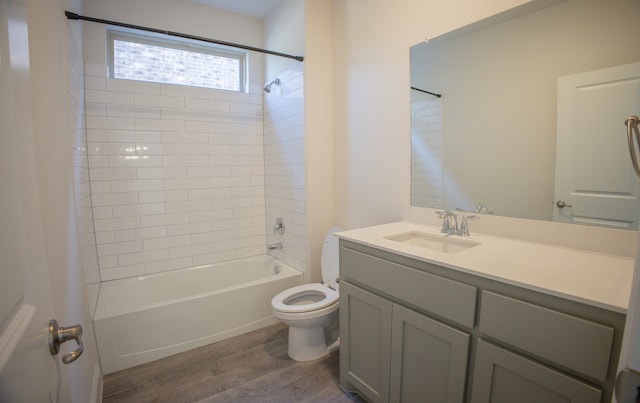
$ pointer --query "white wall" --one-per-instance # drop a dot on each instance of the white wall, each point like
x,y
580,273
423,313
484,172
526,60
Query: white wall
x,y
319,157
303,29
284,31
193,193
284,134
284,168
176,174
88,250
371,102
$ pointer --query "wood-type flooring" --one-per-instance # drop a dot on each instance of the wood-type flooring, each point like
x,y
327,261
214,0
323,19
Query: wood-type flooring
x,y
253,367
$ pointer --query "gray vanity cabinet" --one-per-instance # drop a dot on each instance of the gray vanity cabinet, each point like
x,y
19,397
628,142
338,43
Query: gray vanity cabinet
x,y
393,354
391,350
413,331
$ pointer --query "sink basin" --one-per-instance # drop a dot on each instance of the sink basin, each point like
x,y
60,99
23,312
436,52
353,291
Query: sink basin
x,y
438,243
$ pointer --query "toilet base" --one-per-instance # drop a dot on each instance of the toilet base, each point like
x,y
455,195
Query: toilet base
x,y
309,333
307,343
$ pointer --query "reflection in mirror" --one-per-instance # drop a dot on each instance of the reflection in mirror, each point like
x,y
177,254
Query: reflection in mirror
x,y
489,143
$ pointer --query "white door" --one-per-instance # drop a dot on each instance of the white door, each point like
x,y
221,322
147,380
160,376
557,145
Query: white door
x,y
593,176
28,372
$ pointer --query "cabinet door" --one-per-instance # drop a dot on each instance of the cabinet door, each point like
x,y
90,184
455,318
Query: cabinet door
x,y
504,377
428,359
365,342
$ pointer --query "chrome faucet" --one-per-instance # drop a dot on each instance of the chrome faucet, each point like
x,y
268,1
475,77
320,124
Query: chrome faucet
x,y
464,226
274,246
482,209
449,222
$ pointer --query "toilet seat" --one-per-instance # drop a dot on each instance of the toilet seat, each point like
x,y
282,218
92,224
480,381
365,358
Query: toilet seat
x,y
322,296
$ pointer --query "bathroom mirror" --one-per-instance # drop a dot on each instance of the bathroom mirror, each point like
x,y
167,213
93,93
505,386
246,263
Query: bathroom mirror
x,y
489,143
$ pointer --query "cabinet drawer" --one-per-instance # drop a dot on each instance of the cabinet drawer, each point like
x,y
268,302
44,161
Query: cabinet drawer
x,y
443,297
566,340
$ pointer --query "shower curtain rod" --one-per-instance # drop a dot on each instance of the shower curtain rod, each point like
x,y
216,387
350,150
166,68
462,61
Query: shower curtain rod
x,y
427,92
74,16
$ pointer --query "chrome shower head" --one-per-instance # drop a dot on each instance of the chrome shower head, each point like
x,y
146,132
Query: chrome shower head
x,y
267,88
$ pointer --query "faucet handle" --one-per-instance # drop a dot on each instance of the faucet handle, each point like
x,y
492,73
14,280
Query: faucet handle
x,y
444,215
464,226
448,227
278,228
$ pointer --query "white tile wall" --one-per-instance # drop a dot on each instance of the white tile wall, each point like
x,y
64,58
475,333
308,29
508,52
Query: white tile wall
x,y
82,194
284,167
177,174
426,150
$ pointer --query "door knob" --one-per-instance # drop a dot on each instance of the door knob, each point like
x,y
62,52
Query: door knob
x,y
58,335
562,204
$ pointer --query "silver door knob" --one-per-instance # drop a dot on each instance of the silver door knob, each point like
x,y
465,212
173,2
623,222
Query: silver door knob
x,y
59,335
562,204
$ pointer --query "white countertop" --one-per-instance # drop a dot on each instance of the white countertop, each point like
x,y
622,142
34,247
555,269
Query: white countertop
x,y
597,279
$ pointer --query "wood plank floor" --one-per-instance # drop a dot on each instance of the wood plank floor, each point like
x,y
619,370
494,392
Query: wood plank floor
x,y
253,367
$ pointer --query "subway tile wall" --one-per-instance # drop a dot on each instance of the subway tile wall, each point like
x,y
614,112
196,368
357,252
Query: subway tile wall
x,y
284,167
426,150
177,174
82,194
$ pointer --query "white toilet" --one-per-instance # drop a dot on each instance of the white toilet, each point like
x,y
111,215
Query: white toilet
x,y
309,308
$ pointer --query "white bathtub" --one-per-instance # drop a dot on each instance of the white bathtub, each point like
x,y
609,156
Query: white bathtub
x,y
142,319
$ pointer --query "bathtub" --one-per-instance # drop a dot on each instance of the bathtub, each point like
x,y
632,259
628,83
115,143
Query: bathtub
x,y
145,318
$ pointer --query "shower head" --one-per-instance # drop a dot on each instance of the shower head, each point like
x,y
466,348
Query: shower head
x,y
267,88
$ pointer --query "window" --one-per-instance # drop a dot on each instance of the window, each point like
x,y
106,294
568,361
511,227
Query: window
x,y
150,58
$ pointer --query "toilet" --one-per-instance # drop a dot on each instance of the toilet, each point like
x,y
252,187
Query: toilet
x,y
311,310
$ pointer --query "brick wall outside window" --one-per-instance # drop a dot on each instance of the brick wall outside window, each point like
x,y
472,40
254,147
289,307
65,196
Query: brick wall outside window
x,y
145,62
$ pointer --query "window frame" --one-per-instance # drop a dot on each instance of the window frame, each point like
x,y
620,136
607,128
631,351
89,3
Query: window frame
x,y
185,44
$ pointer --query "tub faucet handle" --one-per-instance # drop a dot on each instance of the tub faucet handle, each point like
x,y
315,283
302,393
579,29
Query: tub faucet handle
x,y
279,227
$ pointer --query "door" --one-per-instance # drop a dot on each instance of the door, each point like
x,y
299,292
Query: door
x,y
28,372
594,180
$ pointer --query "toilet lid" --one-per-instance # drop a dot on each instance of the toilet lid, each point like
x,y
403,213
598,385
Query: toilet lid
x,y
292,299
329,262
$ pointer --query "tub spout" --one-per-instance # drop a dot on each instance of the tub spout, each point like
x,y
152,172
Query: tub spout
x,y
273,246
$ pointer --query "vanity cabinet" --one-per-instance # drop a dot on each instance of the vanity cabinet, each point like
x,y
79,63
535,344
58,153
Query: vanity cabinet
x,y
413,331
398,355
